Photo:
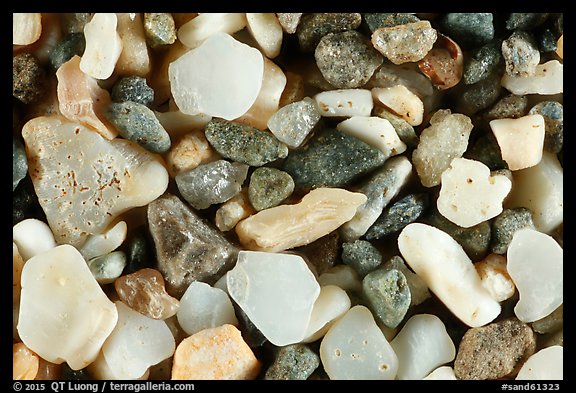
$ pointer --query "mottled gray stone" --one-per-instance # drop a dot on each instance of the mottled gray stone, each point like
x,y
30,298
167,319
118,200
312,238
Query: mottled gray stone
x,y
480,95
69,46
28,78
322,254
132,88
553,113
482,62
469,29
387,294
211,183
243,143
506,224
386,19
293,362
188,248
332,159
74,22
401,213
525,20
269,187
521,54
314,26
347,59
405,43
418,289
550,323
19,162
547,41
361,255
159,29
510,106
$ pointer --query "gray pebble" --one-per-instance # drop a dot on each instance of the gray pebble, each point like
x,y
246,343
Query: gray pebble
x,y
401,213
139,250
553,113
486,150
314,26
418,289
376,20
71,23
525,20
405,131
506,224
480,95
509,106
361,255
28,78
469,29
293,362
159,29
482,62
550,323
133,88
521,54
69,46
19,162
322,253
547,41
269,187
387,294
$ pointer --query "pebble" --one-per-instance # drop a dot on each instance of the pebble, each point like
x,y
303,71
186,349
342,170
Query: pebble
x,y
108,267
194,32
376,20
380,188
355,348
525,20
204,307
486,150
521,140
546,364
375,131
19,162
405,43
32,237
295,362
332,159
109,179
222,65
138,249
553,114
17,266
362,255
312,27
331,304
480,95
70,45
387,295
403,129
347,59
82,100
551,323
482,62
276,291
506,224
211,183
103,46
269,187
457,285
289,21
188,152
344,102
560,47
135,57
218,353
401,213
294,89
445,373
422,345
319,212
547,41
444,63
540,188
243,143
26,27
25,363
159,28
418,289
407,74
495,278
445,139
74,22
402,102
510,106
25,202
322,254
521,54
144,291
59,283
267,31
101,370
535,264
28,78
494,351
469,29
133,88
342,276
547,80
187,247
105,242
292,123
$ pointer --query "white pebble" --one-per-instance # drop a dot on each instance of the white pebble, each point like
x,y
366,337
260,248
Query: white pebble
x,y
198,29
267,31
355,348
495,277
32,237
449,273
375,131
546,364
470,194
400,100
26,27
60,295
105,242
103,46
521,140
226,80
345,102
548,80
535,263
276,291
343,276
444,373
17,266
203,307
100,370
421,346
331,304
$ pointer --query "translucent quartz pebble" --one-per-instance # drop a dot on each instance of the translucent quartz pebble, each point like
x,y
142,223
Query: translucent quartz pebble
x,y
267,31
60,295
144,292
100,369
444,266
345,102
470,194
276,291
26,27
400,100
199,28
546,364
292,123
226,80
375,131
331,304
279,228
136,343
495,277
421,346
403,43
355,348
548,80
541,189
535,263
521,140
103,46
25,363
32,237
203,307
17,265
444,373
105,242
82,190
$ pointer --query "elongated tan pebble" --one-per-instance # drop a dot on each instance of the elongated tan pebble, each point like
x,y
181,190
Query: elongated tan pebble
x,y
24,362
215,354
402,102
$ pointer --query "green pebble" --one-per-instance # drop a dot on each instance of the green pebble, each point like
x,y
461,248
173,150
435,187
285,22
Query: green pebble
x,y
133,88
387,294
69,46
401,213
506,224
269,187
482,62
159,28
468,29
361,255
293,362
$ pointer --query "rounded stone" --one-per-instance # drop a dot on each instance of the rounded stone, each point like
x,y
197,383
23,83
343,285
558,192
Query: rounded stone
x,y
159,28
133,88
404,211
69,46
482,62
469,29
506,224
28,78
269,187
362,255
553,113
388,295
314,26
521,54
293,362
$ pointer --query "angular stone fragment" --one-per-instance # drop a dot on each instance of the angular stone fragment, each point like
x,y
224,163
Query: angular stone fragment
x,y
547,364
418,289
506,224
548,79
375,131
404,211
387,294
361,255
289,21
188,152
521,54
103,46
233,211
293,362
469,29
314,26
159,28
494,351
509,106
269,187
495,278
481,62
292,123
187,247
84,181
287,226
404,43
331,304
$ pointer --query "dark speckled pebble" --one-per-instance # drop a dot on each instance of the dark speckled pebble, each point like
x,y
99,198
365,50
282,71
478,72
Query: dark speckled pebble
x,y
506,224
28,78
482,62
525,20
293,362
133,88
376,20
314,26
553,113
469,29
404,211
361,255
69,46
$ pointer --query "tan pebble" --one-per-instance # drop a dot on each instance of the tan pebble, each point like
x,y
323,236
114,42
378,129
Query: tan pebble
x,y
267,31
24,362
400,100
215,354
189,152
495,277
560,47
26,27
134,59
233,210
294,89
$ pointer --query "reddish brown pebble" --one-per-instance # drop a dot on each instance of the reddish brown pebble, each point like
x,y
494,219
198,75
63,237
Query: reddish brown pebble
x,y
444,64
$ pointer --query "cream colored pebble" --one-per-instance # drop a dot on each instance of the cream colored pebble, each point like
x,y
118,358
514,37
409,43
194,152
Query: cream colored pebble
x,y
26,27
495,277
267,31
134,59
103,243
103,46
190,151
549,79
233,211
400,100
25,363
345,102
375,131
195,31
33,237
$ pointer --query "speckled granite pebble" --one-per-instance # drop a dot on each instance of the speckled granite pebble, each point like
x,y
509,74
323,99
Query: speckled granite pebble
x,y
504,226
521,54
482,62
401,213
361,255
70,45
510,106
376,20
28,78
132,88
387,294
314,26
469,29
525,20
293,362
269,187
159,28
